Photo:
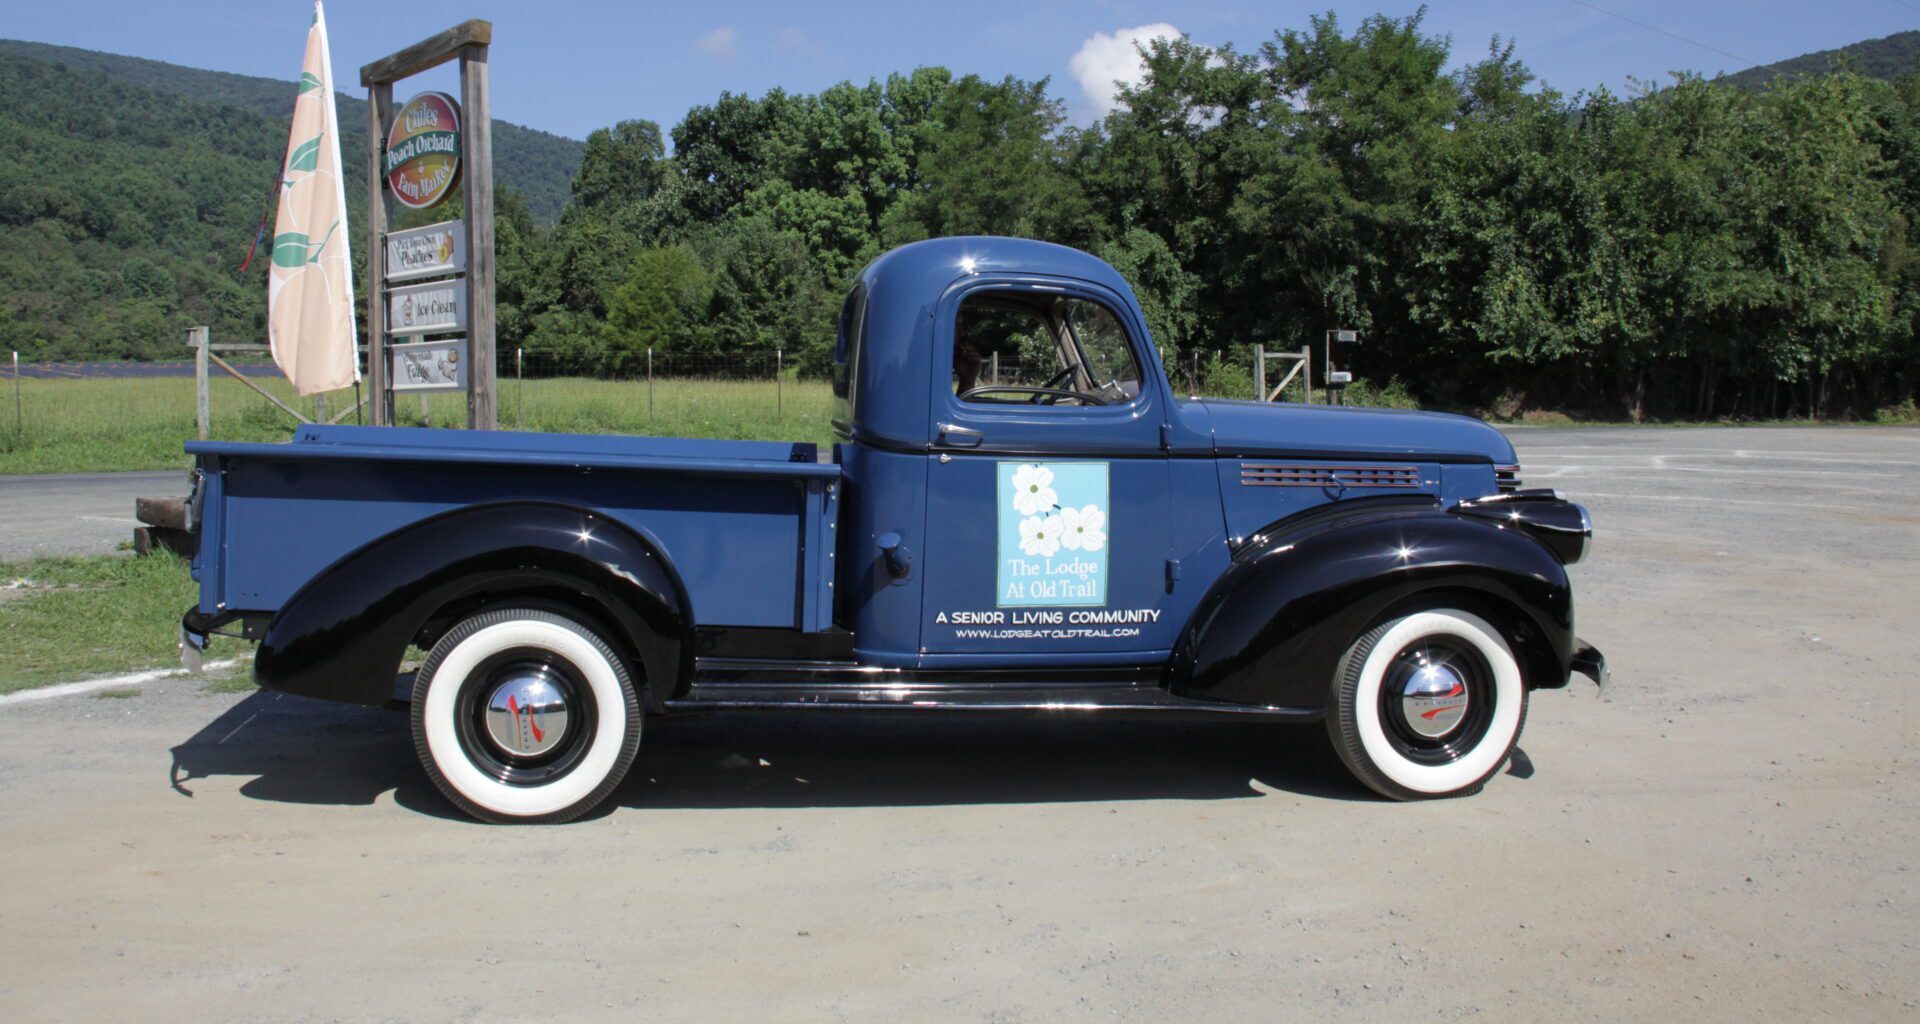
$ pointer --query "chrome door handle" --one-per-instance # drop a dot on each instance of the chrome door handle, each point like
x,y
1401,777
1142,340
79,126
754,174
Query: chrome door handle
x,y
960,437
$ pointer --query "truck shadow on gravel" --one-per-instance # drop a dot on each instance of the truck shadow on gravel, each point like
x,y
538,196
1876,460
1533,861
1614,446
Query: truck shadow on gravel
x,y
314,752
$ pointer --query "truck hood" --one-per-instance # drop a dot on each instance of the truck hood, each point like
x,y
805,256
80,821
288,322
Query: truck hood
x,y
1307,431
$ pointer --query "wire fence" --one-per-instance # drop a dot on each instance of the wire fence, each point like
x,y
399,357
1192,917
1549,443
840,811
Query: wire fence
x,y
1191,372
81,416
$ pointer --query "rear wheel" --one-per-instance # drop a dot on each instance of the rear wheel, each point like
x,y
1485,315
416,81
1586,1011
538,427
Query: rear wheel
x,y
1427,705
525,715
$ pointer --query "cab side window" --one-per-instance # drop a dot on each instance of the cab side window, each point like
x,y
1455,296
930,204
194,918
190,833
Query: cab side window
x,y
1041,348
1107,356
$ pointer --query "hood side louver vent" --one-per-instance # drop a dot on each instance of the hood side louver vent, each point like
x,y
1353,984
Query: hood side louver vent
x,y
1275,474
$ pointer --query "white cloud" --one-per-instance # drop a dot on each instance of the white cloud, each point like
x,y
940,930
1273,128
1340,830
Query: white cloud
x,y
721,44
805,44
1108,58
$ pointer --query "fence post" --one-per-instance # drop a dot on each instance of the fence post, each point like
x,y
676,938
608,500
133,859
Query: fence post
x,y
779,365
993,368
1259,373
203,412
19,416
1306,375
320,407
1194,377
520,388
649,382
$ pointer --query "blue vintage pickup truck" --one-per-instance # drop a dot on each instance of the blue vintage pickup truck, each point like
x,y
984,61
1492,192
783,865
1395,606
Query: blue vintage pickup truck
x,y
1019,515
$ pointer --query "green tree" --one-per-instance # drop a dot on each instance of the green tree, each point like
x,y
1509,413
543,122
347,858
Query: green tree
x,y
660,306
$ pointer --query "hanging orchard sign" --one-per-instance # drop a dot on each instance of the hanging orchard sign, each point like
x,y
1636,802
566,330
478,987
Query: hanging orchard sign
x,y
423,150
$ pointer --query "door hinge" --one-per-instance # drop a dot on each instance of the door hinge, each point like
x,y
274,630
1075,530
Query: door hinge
x,y
1173,572
1166,437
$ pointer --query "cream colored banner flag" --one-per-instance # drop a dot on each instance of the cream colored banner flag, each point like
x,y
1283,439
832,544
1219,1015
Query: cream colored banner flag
x,y
310,321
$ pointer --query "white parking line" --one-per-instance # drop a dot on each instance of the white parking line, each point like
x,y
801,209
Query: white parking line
x,y
1662,466
106,683
1724,501
1572,478
1750,453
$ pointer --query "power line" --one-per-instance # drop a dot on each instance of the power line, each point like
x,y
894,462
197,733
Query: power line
x,y
1908,6
1670,35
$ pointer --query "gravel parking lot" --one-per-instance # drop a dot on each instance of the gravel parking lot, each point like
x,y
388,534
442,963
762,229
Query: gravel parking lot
x,y
76,513
1730,833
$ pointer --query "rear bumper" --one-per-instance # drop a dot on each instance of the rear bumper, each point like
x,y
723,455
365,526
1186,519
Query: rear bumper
x,y
1589,662
198,629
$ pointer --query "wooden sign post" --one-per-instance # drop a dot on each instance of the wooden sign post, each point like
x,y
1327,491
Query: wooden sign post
x,y
468,42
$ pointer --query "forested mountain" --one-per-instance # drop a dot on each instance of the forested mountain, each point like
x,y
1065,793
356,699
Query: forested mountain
x,y
535,164
131,190
1701,250
124,214
1888,57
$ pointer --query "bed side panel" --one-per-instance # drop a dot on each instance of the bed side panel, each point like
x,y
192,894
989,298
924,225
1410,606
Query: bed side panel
x,y
736,542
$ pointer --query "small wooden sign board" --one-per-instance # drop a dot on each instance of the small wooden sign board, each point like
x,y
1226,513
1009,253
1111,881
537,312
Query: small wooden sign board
x,y
438,365
433,307
432,251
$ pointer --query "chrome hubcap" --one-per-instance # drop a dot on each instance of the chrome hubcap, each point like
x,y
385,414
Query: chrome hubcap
x,y
526,714
1434,700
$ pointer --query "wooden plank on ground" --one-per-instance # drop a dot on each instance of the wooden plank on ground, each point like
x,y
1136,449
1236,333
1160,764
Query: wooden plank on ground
x,y
169,512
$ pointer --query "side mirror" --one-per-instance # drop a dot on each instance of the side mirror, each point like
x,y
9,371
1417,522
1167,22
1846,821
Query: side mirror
x,y
899,559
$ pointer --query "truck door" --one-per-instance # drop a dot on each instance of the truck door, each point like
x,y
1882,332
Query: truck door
x,y
1048,510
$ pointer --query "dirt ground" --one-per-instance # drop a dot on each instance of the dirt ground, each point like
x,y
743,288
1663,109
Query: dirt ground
x,y
1730,833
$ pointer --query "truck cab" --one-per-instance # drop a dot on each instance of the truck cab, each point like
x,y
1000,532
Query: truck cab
x,y
1018,515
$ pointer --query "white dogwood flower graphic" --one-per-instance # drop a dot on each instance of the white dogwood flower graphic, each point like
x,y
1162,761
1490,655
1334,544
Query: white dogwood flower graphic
x,y
1084,528
1033,491
1040,536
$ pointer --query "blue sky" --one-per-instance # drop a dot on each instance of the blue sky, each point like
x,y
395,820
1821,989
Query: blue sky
x,y
570,66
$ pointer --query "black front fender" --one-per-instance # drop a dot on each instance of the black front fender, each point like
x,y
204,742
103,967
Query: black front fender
x,y
342,635
1275,624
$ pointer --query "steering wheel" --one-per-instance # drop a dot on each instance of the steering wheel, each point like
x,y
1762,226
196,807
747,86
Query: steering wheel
x,y
1037,393
1053,383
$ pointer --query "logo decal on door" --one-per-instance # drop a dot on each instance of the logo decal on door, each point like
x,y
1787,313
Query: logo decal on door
x,y
1053,534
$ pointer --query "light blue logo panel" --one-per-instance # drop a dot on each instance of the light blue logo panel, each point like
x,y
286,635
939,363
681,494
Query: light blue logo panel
x,y
1054,534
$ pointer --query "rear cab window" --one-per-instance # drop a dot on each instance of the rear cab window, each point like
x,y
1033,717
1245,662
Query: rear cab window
x,y
846,357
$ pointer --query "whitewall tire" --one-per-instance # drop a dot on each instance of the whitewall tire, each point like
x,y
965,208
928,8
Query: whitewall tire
x,y
525,715
1427,705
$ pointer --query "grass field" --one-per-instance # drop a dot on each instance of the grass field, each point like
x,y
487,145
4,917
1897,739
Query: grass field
x,y
105,424
69,618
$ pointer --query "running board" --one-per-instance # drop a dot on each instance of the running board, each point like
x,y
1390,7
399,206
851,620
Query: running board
x,y
1103,698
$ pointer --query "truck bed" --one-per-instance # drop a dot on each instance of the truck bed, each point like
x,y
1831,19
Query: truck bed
x,y
744,523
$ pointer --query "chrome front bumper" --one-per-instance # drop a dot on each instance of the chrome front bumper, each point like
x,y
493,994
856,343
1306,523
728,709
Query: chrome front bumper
x,y
1589,662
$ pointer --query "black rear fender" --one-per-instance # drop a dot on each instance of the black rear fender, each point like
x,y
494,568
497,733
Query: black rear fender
x,y
343,635
1275,624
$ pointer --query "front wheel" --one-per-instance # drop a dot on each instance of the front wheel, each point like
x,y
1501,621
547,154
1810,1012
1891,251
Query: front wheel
x,y
521,715
1427,705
